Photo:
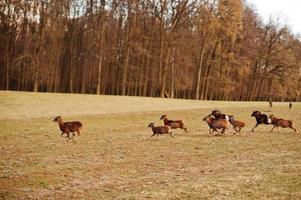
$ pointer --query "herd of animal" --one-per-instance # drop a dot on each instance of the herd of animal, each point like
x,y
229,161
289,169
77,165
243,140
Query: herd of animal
x,y
216,121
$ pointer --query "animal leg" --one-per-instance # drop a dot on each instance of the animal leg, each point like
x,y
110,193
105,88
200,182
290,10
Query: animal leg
x,y
171,135
218,133
215,130
78,132
239,130
62,134
278,129
185,129
272,129
254,128
152,135
293,127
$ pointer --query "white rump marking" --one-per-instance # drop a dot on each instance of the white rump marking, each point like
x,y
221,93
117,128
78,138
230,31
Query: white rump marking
x,y
227,118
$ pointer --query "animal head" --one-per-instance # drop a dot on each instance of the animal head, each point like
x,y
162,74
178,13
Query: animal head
x,y
57,119
207,117
255,114
162,117
216,112
151,124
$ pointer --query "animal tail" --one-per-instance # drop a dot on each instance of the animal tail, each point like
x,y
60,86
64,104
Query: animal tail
x,y
293,126
184,127
80,126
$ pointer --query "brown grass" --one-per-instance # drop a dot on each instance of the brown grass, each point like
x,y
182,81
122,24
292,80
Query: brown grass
x,y
115,159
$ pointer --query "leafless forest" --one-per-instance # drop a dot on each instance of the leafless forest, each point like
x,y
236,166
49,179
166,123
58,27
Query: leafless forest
x,y
194,49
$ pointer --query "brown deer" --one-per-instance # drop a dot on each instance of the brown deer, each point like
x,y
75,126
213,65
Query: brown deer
x,y
216,124
237,125
209,122
260,119
219,115
282,123
68,127
174,124
158,130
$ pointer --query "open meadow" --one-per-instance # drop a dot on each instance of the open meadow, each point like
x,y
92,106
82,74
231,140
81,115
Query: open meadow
x,y
114,158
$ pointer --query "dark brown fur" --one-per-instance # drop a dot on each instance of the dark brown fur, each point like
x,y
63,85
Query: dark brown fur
x,y
157,130
260,119
174,124
218,115
68,127
283,123
209,122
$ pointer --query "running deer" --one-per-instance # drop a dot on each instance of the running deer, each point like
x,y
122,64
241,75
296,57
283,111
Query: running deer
x,y
158,130
260,119
68,127
174,124
282,123
237,125
216,124
219,115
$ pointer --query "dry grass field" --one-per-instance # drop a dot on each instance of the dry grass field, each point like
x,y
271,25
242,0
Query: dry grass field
x,y
114,158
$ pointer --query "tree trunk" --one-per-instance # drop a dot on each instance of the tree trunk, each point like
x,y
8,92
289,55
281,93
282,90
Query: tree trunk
x,y
36,82
7,64
206,77
99,69
163,82
197,92
172,73
147,77
125,71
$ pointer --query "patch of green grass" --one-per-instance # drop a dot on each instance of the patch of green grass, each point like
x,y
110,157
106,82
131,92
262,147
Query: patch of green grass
x,y
115,159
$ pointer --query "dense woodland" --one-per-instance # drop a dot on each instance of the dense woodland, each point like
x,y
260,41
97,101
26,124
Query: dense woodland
x,y
194,49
